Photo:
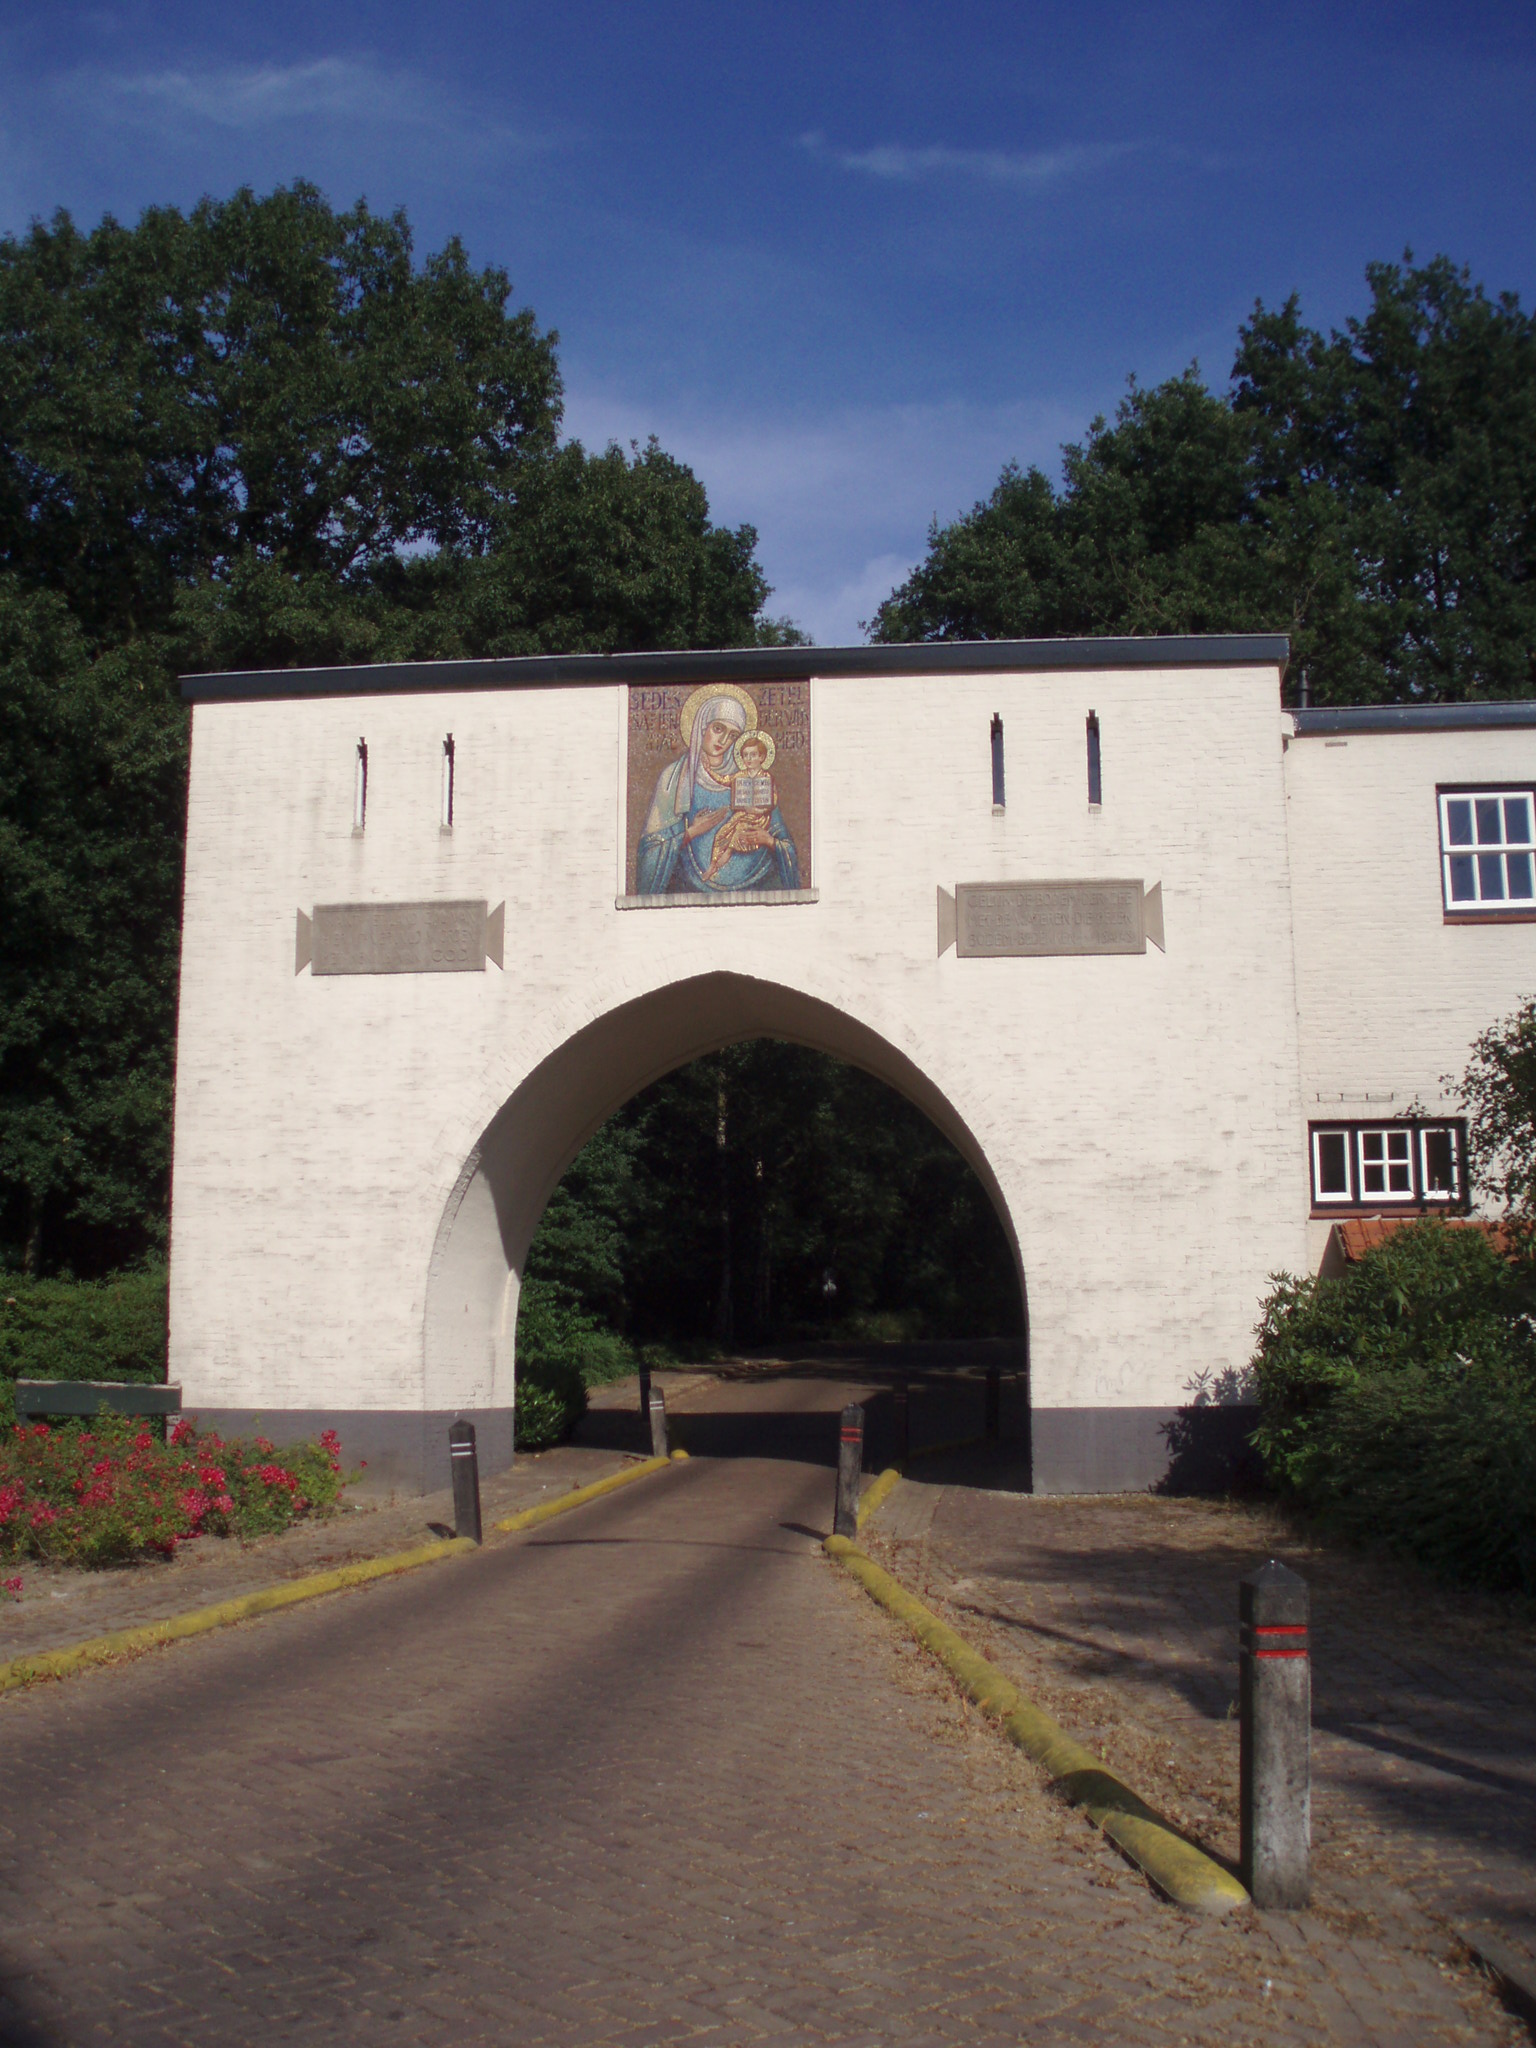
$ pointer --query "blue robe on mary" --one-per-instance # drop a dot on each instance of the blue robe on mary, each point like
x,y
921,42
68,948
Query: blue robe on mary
x,y
668,864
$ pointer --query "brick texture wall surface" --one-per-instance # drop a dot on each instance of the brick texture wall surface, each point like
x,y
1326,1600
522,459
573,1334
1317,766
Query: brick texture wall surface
x,y
349,1214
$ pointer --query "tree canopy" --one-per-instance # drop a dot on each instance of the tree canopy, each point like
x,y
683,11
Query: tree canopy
x,y
769,1192
261,433
1371,492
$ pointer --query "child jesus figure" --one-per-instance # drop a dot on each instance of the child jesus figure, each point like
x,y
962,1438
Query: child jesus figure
x,y
753,797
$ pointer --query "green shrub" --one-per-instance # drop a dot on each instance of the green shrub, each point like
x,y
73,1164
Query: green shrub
x,y
560,1353
81,1330
1398,1401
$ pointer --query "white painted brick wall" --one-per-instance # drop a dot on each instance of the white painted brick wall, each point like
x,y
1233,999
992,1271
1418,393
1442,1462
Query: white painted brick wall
x,y
1391,996
1142,1116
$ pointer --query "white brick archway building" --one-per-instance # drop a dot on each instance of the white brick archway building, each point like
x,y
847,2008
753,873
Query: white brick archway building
x,y
361,1157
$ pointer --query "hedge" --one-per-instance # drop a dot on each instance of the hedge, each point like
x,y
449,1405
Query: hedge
x,y
1398,1401
81,1330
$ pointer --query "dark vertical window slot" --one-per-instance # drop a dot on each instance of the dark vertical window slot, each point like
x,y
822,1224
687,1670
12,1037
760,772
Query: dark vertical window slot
x,y
360,788
998,798
448,783
1095,773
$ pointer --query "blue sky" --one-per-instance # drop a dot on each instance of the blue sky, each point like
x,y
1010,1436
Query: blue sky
x,y
848,259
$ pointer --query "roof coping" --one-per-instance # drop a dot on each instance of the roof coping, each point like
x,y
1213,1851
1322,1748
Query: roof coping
x,y
746,664
1342,718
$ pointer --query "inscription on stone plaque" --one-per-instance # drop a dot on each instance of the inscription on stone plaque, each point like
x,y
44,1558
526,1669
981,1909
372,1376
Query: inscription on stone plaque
x,y
400,938
993,920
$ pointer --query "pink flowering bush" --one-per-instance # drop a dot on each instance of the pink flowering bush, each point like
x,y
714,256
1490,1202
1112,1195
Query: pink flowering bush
x,y
111,1491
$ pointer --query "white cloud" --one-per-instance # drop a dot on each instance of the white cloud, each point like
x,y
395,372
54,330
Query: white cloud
x,y
841,501
357,90
1032,170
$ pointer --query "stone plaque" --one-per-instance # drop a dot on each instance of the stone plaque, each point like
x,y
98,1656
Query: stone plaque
x,y
990,920
400,938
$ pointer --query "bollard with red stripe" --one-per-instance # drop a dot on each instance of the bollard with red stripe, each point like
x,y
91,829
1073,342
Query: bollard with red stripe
x,y
850,1468
1276,1703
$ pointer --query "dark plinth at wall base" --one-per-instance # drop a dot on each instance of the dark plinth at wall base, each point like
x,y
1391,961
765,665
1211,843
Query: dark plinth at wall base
x,y
401,1450
1075,1450
1132,1450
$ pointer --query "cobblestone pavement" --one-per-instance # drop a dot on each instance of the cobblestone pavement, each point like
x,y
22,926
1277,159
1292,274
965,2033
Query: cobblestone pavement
x,y
59,1606
1119,1615
658,1773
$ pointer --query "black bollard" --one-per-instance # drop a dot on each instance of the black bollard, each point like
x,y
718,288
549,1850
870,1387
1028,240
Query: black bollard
x,y
1276,1703
903,1420
645,1391
994,1424
658,1413
850,1468
465,1467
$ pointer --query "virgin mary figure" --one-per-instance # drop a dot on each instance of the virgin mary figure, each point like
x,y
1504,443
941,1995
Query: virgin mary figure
x,y
693,798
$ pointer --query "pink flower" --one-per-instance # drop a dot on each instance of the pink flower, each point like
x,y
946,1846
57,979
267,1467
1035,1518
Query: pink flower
x,y
13,1587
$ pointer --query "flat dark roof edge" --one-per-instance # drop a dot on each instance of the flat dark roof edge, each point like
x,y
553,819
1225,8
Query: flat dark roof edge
x,y
744,664
1341,718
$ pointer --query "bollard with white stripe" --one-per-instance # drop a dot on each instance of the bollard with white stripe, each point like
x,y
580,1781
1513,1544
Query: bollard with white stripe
x,y
658,1414
464,1463
1275,1793
850,1468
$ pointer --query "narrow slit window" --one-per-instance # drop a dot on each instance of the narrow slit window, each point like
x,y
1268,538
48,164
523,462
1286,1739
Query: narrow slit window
x,y
448,783
360,788
998,798
1095,772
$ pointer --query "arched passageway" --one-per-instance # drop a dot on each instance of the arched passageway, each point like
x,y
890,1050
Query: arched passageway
x,y
490,1219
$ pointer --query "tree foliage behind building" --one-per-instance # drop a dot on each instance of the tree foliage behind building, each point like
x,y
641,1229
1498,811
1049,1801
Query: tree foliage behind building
x,y
768,1193
259,434
1371,492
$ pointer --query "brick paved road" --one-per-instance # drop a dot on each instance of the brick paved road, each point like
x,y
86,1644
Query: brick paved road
x,y
656,1774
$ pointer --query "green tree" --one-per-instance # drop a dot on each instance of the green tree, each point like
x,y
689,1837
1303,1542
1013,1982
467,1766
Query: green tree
x,y
262,376
769,1192
1372,493
91,781
1498,1091
261,433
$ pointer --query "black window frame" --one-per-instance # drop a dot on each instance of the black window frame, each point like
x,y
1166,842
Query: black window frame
x,y
1464,910
1418,1201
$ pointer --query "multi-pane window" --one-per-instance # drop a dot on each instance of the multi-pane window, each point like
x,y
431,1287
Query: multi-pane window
x,y
1404,1165
1487,852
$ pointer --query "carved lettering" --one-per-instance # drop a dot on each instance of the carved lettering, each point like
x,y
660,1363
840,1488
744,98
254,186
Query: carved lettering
x,y
399,938
996,919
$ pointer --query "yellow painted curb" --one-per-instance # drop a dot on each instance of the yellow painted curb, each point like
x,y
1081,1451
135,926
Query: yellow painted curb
x,y
1186,1874
879,1494
129,1642
546,1510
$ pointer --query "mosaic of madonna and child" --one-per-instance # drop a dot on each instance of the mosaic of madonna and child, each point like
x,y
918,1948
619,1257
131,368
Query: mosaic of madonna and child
x,y
719,797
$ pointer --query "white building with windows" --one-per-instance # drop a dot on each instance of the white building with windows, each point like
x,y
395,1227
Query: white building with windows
x,y
1182,974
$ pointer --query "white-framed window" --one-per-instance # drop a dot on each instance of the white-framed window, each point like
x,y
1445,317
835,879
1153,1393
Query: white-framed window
x,y
1409,1164
1487,850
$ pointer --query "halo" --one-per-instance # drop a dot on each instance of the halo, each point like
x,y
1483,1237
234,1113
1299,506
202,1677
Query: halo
x,y
703,695
764,740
